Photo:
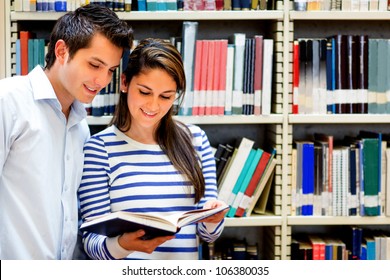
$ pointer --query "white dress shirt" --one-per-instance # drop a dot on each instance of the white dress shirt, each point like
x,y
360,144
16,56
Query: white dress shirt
x,y
41,160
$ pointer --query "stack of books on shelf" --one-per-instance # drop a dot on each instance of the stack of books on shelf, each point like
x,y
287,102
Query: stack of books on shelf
x,y
342,74
355,243
230,76
347,177
244,175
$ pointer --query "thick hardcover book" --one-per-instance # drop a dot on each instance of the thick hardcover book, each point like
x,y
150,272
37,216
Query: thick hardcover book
x,y
116,223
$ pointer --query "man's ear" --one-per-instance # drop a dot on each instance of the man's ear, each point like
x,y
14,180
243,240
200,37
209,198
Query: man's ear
x,y
61,51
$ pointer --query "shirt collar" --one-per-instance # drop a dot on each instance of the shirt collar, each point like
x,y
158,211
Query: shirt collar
x,y
42,89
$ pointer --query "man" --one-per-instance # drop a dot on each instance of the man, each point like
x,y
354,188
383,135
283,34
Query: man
x,y
43,131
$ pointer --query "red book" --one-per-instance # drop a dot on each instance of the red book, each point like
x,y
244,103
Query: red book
x,y
295,109
210,77
253,183
216,77
222,77
258,73
24,36
203,77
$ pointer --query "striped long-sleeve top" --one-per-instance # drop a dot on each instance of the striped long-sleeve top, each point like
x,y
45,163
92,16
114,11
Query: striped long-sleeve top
x,y
122,174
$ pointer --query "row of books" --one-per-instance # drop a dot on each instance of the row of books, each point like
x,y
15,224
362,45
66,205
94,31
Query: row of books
x,y
245,174
226,76
349,177
223,77
355,243
229,249
341,74
143,5
342,5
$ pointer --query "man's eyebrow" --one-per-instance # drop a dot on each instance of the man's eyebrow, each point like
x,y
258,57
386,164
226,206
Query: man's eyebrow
x,y
103,62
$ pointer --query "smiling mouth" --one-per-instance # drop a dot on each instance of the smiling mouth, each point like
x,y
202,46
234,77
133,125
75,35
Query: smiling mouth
x,y
148,113
94,91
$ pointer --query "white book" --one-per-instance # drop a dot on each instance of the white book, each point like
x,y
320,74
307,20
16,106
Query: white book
x,y
190,30
239,51
268,52
226,186
229,79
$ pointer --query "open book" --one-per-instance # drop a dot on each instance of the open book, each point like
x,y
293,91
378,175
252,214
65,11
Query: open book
x,y
116,223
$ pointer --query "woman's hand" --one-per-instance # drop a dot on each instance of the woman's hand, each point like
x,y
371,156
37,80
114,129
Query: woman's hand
x,y
217,217
133,241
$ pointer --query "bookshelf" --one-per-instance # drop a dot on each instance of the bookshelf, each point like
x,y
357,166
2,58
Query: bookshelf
x,y
2,35
280,128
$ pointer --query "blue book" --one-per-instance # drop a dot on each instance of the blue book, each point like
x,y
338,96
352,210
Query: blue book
x,y
255,156
372,159
240,179
330,73
141,5
307,178
18,61
371,247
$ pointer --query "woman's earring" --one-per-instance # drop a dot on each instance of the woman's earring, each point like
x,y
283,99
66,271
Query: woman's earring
x,y
123,91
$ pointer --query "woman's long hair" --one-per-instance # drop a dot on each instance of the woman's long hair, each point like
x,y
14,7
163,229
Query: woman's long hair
x,y
172,136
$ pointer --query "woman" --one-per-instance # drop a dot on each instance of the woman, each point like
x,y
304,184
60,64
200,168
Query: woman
x,y
145,161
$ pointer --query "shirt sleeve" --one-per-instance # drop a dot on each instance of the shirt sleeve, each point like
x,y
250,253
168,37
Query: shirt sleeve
x,y
94,196
207,231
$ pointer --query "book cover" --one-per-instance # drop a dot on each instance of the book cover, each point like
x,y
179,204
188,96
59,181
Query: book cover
x,y
116,223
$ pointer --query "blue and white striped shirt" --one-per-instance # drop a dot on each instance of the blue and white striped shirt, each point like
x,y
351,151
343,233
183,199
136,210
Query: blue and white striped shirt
x,y
122,174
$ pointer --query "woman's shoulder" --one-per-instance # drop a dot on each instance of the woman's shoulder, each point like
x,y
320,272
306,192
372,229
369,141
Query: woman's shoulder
x,y
102,135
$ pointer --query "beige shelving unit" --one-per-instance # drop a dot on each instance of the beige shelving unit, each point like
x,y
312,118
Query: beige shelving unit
x,y
272,232
2,42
